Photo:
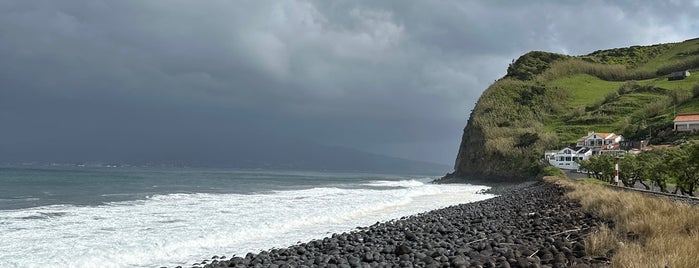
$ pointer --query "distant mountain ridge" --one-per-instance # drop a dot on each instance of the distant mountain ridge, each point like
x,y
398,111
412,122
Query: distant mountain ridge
x,y
548,100
242,152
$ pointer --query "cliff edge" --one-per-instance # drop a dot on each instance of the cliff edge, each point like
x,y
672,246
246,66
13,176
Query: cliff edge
x,y
547,100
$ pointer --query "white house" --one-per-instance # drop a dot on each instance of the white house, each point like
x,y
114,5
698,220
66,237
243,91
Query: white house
x,y
687,122
596,141
566,157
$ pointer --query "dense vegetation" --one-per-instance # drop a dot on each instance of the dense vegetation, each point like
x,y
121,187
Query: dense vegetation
x,y
659,167
548,100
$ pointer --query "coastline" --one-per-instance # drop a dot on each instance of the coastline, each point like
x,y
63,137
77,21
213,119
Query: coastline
x,y
530,224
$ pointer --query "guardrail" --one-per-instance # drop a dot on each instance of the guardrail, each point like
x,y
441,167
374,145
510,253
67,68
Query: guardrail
x,y
684,198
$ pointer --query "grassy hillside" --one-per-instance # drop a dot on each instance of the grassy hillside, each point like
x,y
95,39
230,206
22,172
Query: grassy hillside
x,y
548,100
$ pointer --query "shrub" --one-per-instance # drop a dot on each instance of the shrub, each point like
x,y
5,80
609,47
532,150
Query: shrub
x,y
553,171
602,71
627,87
578,111
687,63
611,96
630,56
655,108
532,64
695,90
679,96
527,139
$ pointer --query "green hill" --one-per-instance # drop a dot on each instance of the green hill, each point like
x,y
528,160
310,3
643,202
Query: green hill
x,y
547,101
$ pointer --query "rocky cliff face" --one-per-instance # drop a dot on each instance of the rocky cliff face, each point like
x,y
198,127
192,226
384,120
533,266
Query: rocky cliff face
x,y
505,132
474,162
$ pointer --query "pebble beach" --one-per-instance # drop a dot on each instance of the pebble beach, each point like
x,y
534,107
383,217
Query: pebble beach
x,y
529,224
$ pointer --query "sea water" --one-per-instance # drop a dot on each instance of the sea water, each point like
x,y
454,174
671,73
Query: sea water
x,y
128,217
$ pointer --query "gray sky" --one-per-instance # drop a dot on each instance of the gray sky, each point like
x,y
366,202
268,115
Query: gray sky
x,y
91,77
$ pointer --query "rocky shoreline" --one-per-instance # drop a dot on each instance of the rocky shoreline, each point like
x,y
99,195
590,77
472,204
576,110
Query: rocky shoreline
x,y
528,225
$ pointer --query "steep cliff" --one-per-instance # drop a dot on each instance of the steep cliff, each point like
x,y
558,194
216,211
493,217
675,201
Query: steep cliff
x,y
507,123
547,100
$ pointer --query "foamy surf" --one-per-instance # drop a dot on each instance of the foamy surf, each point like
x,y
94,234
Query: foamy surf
x,y
180,229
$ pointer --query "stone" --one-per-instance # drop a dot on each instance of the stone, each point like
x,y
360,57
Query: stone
x,y
403,249
410,236
457,261
497,232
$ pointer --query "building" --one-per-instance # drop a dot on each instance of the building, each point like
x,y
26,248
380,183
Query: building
x,y
628,145
687,122
613,149
596,141
678,75
567,158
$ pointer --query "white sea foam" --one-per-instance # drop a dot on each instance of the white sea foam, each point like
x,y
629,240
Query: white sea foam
x,y
180,229
402,183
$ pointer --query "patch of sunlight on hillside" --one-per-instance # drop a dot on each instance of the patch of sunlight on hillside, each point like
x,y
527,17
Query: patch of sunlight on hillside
x,y
586,89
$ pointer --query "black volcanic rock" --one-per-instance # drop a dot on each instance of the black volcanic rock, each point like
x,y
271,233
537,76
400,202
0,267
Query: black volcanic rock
x,y
530,225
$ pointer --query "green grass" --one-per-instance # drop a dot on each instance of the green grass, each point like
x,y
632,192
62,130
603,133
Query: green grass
x,y
690,106
586,89
671,55
550,100
685,84
589,91
571,133
593,180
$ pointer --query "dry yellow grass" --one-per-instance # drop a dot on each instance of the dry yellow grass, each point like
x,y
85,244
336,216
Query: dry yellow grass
x,y
601,241
648,232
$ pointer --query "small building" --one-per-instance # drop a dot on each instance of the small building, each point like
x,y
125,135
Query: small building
x,y
613,149
595,141
687,122
567,158
628,145
550,155
678,75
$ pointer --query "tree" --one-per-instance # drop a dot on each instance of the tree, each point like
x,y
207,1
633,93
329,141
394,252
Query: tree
x,y
655,168
631,171
601,167
587,166
605,165
682,164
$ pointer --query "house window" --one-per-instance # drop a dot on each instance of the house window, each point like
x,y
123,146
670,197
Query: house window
x,y
560,158
567,158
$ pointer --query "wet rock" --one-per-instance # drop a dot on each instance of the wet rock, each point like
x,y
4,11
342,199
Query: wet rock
x,y
517,229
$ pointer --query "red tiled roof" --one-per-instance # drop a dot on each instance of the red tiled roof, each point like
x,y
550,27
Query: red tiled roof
x,y
687,117
614,146
601,134
604,135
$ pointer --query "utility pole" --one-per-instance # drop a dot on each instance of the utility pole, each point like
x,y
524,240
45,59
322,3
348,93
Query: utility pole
x,y
616,170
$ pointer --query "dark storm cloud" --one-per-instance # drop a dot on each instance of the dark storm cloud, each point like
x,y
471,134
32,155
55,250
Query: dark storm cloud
x,y
392,77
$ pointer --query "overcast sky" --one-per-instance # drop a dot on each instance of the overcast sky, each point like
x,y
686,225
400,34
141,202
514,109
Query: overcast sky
x,y
391,77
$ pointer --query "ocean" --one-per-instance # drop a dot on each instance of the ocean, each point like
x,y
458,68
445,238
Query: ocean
x,y
153,217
